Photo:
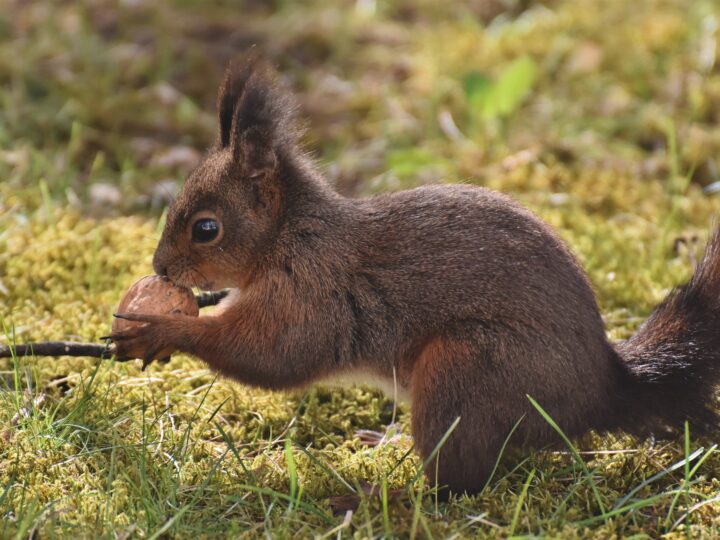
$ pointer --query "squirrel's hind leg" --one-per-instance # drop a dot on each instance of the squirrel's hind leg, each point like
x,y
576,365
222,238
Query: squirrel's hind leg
x,y
457,376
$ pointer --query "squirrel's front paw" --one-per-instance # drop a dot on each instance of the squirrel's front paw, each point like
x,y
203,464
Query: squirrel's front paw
x,y
151,337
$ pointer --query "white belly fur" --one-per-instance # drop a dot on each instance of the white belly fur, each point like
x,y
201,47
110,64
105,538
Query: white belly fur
x,y
360,377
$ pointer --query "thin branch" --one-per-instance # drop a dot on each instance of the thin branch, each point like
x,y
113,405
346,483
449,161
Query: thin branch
x,y
58,348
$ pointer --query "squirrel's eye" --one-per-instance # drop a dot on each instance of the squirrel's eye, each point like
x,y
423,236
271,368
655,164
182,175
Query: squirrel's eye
x,y
205,230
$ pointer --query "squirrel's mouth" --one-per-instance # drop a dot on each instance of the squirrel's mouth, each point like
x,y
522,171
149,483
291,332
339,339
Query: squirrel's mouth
x,y
201,287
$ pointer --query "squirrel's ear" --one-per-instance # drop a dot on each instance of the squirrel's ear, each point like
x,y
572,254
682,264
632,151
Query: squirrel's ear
x,y
254,154
232,87
252,98
261,124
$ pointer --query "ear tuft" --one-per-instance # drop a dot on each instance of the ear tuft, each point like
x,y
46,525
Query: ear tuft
x,y
236,76
251,98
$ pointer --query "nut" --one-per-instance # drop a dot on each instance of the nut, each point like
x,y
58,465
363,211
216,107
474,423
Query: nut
x,y
153,295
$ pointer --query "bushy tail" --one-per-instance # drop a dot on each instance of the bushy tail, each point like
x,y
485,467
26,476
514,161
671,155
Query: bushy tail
x,y
674,359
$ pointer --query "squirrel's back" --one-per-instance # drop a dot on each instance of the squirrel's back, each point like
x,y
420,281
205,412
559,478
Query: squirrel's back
x,y
454,252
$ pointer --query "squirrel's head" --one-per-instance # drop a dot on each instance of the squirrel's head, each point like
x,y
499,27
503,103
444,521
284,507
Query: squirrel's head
x,y
231,205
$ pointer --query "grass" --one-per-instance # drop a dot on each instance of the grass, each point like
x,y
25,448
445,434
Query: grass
x,y
610,134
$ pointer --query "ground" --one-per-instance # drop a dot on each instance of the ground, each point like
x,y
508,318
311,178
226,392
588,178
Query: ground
x,y
600,115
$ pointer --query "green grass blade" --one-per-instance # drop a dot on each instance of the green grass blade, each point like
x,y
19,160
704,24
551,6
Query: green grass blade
x,y
521,500
578,458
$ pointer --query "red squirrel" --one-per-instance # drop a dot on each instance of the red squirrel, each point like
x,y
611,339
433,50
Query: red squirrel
x,y
458,296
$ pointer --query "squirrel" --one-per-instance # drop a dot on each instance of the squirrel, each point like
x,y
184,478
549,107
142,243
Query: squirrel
x,y
458,296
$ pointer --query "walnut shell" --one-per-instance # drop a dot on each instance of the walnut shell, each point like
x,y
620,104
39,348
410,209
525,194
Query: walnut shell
x,y
153,295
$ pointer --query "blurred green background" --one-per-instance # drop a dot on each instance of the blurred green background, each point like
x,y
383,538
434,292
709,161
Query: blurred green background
x,y
600,115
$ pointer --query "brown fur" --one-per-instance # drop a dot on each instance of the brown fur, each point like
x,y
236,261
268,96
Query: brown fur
x,y
464,296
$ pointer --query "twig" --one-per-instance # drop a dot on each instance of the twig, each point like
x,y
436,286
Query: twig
x,y
58,348
92,350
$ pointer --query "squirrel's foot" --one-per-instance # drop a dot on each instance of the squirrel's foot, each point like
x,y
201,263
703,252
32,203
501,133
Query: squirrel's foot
x,y
369,437
345,503
392,435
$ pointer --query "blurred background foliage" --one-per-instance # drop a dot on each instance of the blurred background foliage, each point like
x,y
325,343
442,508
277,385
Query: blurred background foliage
x,y
396,93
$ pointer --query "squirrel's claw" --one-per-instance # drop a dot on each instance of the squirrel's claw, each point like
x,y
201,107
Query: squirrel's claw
x,y
148,359
140,317
123,335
